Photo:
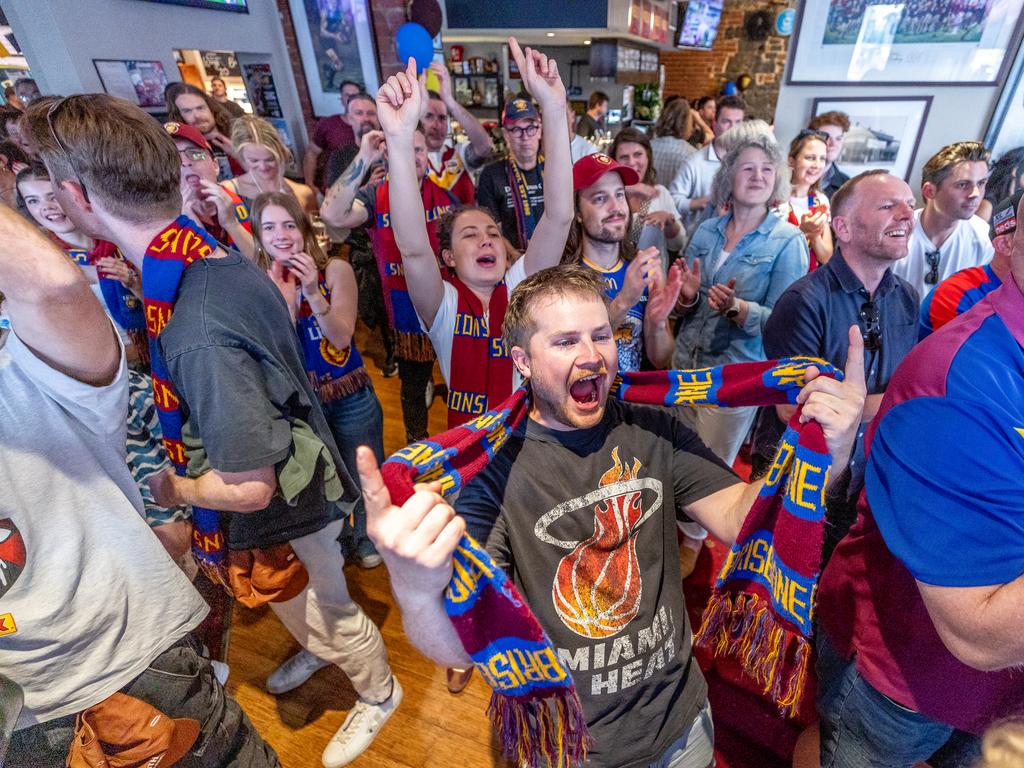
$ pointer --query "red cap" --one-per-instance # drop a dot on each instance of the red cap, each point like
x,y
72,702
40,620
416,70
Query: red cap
x,y
589,169
187,132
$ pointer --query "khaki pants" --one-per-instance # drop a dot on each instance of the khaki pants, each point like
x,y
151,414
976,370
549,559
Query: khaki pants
x,y
328,624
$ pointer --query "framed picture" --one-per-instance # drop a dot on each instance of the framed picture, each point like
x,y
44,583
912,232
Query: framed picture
x,y
884,131
140,82
336,44
1006,131
953,42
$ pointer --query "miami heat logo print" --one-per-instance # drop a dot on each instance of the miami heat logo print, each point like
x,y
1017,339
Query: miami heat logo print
x,y
597,586
12,554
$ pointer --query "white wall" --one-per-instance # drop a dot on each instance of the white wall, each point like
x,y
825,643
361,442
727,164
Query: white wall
x,y
60,39
957,113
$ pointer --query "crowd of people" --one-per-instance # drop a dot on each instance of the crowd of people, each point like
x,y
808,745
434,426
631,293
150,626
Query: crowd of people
x,y
184,399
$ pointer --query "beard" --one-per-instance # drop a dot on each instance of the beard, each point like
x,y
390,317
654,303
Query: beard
x,y
605,234
554,403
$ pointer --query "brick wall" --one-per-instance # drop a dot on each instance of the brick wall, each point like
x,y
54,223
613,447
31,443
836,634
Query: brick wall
x,y
693,74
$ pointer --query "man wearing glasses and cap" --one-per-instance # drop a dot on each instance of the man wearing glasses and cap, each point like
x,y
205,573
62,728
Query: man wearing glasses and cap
x,y
513,188
948,235
873,217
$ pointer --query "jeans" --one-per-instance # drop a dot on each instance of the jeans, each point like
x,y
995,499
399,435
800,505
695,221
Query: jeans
x,y
414,376
695,748
861,728
179,683
355,420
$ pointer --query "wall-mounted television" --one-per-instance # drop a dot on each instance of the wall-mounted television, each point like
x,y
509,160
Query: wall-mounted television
x,y
238,6
698,25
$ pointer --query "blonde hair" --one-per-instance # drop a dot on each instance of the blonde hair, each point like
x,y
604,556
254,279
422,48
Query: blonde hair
x,y
287,201
250,131
563,280
1003,746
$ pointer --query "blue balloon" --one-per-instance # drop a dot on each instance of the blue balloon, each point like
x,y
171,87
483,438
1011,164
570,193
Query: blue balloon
x,y
729,89
415,42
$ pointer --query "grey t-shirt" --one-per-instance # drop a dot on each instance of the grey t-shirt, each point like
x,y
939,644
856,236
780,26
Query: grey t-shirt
x,y
234,357
585,524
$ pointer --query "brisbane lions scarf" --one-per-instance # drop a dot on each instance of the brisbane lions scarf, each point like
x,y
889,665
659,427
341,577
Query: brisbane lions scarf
x,y
166,259
481,368
762,605
411,343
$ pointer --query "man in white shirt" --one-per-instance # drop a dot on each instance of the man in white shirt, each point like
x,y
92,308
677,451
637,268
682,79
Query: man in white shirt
x,y
692,185
90,602
578,145
948,235
450,163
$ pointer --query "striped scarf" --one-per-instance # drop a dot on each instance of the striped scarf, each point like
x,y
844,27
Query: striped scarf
x,y
168,255
762,605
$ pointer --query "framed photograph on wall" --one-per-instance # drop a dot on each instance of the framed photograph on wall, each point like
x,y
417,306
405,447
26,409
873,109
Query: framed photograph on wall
x,y
1006,131
884,131
140,82
335,40
842,42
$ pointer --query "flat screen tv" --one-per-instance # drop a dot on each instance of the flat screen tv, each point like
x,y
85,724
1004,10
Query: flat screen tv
x,y
698,26
238,6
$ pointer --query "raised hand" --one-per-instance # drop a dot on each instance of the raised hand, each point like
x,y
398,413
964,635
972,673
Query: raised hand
x,y
813,222
372,146
662,299
659,219
214,194
721,296
837,406
444,79
120,270
401,102
641,192
690,285
540,75
304,269
638,275
416,540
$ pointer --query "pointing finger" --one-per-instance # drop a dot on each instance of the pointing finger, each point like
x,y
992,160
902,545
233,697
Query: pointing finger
x,y
375,494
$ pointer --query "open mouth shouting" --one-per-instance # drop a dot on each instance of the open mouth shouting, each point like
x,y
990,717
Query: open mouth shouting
x,y
585,390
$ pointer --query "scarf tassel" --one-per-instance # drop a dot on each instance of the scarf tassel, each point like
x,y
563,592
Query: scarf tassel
x,y
413,346
535,732
743,627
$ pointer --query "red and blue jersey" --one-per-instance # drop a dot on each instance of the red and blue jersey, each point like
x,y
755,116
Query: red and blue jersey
x,y
943,505
955,295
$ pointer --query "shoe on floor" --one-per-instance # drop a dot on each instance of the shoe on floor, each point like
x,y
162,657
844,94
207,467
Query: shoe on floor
x,y
294,672
457,679
429,395
360,729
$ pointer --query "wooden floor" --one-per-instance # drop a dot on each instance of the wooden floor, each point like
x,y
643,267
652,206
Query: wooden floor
x,y
431,727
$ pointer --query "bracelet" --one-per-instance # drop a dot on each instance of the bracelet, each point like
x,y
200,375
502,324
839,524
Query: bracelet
x,y
692,304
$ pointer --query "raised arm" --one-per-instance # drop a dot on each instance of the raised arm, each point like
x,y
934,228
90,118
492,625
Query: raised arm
x,y
541,80
480,144
400,104
337,209
337,316
51,307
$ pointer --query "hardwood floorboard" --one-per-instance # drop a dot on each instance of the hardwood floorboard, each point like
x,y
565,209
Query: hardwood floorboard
x,y
430,728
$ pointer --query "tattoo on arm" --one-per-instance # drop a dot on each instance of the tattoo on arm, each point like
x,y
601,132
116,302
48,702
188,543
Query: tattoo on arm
x,y
355,172
349,178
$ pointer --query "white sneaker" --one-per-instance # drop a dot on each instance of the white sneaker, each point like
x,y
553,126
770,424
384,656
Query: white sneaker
x,y
294,672
359,729
369,561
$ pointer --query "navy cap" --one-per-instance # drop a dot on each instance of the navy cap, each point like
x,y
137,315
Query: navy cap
x,y
519,108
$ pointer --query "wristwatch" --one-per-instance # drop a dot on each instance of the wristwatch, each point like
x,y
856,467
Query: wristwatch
x,y
734,310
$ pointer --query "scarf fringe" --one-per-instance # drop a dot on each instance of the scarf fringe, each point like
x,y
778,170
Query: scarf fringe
x,y
414,346
335,389
535,732
744,627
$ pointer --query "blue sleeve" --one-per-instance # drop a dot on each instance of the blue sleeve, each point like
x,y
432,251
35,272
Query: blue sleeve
x,y
924,327
945,482
790,265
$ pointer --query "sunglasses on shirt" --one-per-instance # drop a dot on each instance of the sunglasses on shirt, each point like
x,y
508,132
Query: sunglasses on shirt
x,y
932,276
872,326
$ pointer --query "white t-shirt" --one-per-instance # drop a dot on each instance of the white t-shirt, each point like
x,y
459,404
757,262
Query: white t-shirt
x,y
968,246
88,595
442,333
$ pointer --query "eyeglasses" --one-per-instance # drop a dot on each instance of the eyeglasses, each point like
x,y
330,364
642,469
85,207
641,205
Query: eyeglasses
x,y
57,104
517,132
872,326
195,155
933,268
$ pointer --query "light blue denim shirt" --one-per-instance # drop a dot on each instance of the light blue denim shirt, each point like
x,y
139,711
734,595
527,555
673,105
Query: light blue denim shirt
x,y
765,263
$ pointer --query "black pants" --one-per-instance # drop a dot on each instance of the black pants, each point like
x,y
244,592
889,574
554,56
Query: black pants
x,y
414,376
179,683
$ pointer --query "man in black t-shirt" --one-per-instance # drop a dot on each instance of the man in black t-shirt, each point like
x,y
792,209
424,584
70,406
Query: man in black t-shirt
x,y
581,511
260,448
513,189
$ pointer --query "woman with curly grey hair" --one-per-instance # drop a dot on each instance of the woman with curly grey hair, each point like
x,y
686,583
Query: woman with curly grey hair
x,y
739,264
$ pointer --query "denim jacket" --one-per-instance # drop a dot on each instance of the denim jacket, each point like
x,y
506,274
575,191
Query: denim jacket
x,y
765,263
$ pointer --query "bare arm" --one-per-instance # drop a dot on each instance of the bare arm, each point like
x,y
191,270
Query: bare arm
x,y
541,79
982,626
417,541
658,339
226,491
51,306
338,209
309,161
339,324
400,103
